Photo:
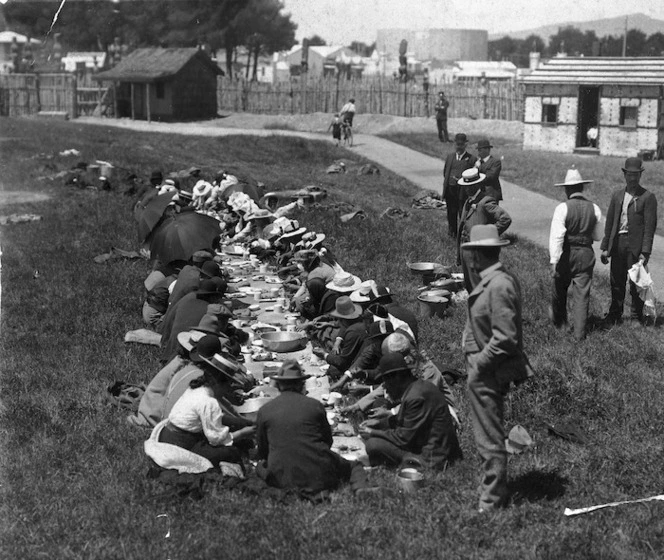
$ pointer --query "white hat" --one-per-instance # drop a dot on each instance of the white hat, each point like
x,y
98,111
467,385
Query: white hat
x,y
344,282
572,178
471,176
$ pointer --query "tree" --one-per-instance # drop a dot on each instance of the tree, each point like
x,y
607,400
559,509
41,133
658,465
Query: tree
x,y
502,49
636,43
317,41
362,48
654,45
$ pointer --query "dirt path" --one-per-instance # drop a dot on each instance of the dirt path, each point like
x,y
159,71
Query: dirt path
x,y
531,212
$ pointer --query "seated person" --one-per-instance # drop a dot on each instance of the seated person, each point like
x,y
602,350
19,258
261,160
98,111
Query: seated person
x,y
349,339
309,262
294,441
320,300
156,301
423,429
399,314
368,357
197,422
190,276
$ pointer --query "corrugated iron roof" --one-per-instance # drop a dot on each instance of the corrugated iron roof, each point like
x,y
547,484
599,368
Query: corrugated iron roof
x,y
149,65
600,70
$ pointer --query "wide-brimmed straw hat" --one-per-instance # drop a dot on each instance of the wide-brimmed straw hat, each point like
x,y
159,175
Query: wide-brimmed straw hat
x,y
206,347
188,339
572,178
633,164
344,282
363,293
260,214
224,364
344,308
290,371
391,363
484,236
471,176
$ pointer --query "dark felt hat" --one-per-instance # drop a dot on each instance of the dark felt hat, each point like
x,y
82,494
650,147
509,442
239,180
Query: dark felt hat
x,y
207,346
211,286
380,294
460,137
344,308
210,269
290,371
201,256
633,164
156,176
380,328
484,143
392,363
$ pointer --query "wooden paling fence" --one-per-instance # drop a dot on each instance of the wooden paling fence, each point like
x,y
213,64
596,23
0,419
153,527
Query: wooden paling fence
x,y
30,94
498,100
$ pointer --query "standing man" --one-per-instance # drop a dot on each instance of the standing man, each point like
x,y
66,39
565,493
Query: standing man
x,y
631,222
441,117
492,343
491,167
479,208
575,225
455,164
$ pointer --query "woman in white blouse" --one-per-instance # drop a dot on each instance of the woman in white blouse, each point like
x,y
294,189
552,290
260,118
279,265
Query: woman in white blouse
x,y
198,423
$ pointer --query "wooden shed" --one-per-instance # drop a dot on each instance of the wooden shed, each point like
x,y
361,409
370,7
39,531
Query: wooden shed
x,y
165,84
621,98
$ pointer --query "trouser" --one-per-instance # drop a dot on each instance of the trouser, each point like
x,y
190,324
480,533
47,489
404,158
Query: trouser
x,y
152,317
198,443
452,201
576,268
486,399
383,452
443,135
622,260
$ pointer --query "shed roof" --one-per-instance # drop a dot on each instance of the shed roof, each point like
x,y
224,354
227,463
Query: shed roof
x,y
600,70
149,65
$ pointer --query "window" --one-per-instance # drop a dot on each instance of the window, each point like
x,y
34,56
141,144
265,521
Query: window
x,y
159,89
549,113
628,116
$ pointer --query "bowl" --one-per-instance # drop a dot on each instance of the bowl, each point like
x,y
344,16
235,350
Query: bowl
x,y
280,341
410,480
422,267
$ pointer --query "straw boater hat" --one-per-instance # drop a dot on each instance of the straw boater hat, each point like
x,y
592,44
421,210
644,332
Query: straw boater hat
x,y
290,371
224,364
484,236
363,293
344,282
344,308
471,176
572,178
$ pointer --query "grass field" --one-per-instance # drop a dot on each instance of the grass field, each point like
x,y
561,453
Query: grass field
x,y
538,171
73,473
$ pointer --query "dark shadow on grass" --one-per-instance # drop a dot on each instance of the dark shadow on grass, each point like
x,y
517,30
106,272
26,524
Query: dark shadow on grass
x,y
535,486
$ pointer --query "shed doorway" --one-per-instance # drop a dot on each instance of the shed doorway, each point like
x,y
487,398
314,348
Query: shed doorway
x,y
588,117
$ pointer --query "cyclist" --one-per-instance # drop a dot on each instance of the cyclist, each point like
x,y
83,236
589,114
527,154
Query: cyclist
x,y
348,112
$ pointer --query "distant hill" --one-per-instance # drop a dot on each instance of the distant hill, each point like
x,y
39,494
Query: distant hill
x,y
601,27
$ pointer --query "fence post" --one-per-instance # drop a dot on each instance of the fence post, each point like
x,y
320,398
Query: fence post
x,y
74,108
38,92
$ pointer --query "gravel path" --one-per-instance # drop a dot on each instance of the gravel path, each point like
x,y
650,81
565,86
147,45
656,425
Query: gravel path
x,y
531,212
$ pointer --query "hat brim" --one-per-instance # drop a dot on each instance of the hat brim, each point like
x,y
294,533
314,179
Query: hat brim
x,y
357,311
485,243
345,289
356,297
292,234
298,378
464,183
633,170
371,336
185,339
573,183
383,374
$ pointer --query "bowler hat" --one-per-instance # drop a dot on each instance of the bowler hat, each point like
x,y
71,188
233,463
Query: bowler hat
x,y
484,236
471,176
391,363
380,328
344,308
201,256
210,269
211,286
460,137
572,178
156,176
633,164
290,370
484,143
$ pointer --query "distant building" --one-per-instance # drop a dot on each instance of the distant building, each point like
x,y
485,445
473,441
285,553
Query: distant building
x,y
318,58
620,97
165,84
87,61
438,44
7,41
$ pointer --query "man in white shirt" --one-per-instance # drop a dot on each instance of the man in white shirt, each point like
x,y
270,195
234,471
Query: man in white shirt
x,y
348,112
574,227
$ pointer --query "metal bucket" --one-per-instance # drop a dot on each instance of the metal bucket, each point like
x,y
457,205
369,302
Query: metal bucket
x,y
432,306
410,480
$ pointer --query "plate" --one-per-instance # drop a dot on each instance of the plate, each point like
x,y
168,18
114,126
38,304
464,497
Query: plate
x,y
278,319
272,280
457,275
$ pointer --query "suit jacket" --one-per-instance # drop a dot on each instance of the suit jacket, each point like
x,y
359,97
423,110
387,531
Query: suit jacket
x,y
353,337
468,161
424,426
494,321
641,221
295,438
481,209
491,168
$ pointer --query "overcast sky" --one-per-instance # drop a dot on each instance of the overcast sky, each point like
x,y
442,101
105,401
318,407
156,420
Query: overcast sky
x,y
342,21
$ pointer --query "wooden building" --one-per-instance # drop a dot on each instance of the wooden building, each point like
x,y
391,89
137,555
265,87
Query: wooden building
x,y
164,84
568,101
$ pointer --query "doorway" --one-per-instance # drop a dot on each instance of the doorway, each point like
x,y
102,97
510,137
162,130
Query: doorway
x,y
588,117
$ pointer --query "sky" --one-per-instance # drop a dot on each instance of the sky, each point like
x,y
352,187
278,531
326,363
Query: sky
x,y
343,21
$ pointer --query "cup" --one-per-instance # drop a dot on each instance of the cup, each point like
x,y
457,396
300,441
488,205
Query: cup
x,y
278,308
274,292
257,296
291,320
263,269
334,398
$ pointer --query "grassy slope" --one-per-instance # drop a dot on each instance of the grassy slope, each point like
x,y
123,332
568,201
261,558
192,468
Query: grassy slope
x,y
538,171
74,474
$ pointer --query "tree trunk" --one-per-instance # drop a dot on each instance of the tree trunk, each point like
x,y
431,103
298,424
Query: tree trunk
x,y
229,61
246,75
254,76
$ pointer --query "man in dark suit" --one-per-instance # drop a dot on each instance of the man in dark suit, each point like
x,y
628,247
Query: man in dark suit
x,y
441,117
294,440
479,208
491,167
492,343
423,428
630,227
455,164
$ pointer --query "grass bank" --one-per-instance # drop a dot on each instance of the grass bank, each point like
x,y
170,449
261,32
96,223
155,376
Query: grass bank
x,y
73,473
539,171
